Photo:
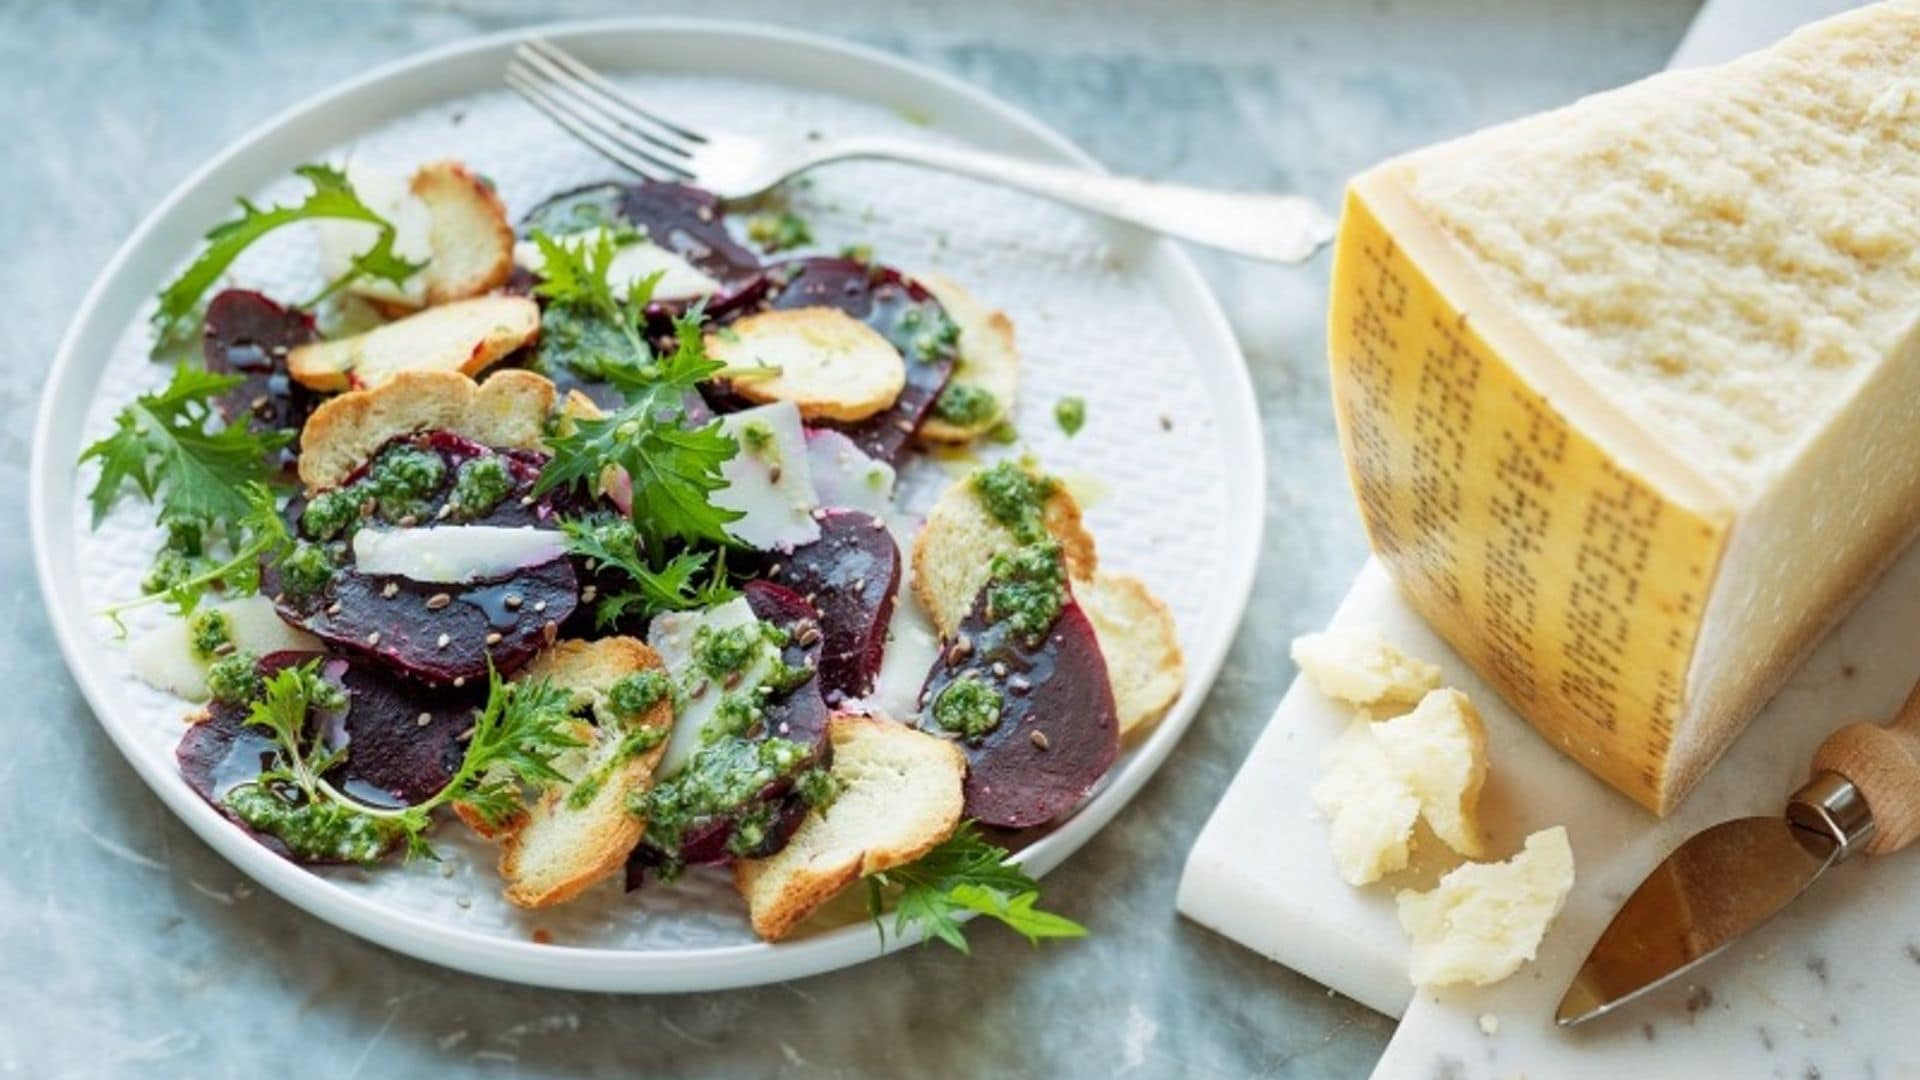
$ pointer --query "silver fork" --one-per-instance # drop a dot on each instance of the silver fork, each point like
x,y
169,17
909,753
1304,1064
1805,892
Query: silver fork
x,y
1282,228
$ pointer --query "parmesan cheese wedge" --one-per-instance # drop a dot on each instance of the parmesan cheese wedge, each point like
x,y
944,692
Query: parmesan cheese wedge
x,y
1484,920
1627,391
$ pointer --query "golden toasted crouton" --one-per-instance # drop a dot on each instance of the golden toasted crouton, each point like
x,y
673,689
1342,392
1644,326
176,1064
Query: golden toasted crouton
x,y
989,361
1141,647
900,796
580,832
831,365
508,411
471,239
960,538
467,336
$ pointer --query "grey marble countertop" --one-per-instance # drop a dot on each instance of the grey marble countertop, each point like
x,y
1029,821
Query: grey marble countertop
x,y
128,948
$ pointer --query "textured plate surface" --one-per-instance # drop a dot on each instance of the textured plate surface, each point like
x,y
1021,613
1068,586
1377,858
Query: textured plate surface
x,y
1168,463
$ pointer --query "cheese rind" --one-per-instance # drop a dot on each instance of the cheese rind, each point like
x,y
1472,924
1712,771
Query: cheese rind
x,y
1628,405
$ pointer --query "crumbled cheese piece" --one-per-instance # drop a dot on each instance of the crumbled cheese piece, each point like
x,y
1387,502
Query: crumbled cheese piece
x,y
1486,919
1371,810
1362,668
1489,1025
1439,750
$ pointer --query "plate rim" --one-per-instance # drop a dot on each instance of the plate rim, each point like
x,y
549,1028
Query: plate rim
x,y
1168,268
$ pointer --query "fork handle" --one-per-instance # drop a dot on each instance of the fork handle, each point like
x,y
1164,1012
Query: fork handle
x,y
1281,228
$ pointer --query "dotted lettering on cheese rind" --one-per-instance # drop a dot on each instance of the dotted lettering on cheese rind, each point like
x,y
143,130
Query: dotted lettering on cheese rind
x,y
1571,584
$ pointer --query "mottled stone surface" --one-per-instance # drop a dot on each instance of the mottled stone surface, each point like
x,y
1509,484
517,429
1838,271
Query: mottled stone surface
x,y
128,948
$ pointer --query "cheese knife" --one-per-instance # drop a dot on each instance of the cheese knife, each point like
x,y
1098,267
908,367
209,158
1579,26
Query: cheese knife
x,y
1729,879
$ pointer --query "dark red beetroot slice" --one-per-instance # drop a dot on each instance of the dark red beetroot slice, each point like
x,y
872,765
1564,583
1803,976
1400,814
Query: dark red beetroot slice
x,y
399,622
686,221
392,759
901,311
799,715
850,576
249,335
1058,734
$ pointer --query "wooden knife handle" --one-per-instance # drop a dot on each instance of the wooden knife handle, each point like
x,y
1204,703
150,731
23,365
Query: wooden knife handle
x,y
1884,763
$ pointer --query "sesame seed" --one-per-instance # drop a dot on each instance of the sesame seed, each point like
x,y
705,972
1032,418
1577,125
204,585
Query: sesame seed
x,y
1019,684
526,500
512,601
423,719
408,521
999,670
1039,739
587,594
445,640
390,590
773,475
225,648
904,425
539,605
493,638
819,513
445,509
333,608
459,681
446,869
438,600
373,638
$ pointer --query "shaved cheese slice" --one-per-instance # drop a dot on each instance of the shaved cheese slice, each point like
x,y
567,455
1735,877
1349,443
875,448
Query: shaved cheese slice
x,y
632,261
389,195
163,656
770,480
454,554
672,635
844,477
912,644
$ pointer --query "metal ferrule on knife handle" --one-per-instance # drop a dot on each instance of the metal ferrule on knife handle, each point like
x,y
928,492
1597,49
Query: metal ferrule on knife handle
x,y
1883,763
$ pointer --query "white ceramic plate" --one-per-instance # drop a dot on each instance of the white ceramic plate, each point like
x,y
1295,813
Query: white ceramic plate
x,y
1171,455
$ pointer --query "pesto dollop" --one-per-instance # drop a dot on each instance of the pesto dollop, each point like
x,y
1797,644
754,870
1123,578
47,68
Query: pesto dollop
x,y
779,231
1071,414
965,406
1016,497
235,679
398,486
208,633
325,831
306,569
724,775
639,692
968,707
1027,587
481,484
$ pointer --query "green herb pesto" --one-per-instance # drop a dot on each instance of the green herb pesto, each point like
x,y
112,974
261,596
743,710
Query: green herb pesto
x,y
968,707
1004,433
326,831
329,513
860,253
966,406
1071,414
940,341
757,437
306,570
735,716
818,787
170,568
719,654
234,679
778,232
588,788
578,338
723,776
208,632
1027,588
481,484
1016,497
639,692
403,479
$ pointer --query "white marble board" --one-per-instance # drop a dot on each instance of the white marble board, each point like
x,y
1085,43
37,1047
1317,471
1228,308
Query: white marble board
x,y
1829,989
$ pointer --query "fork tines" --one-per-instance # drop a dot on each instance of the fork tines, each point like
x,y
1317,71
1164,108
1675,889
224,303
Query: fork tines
x,y
597,113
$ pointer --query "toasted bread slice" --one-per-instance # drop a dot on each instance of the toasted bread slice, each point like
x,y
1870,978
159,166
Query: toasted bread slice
x,y
1140,644
960,538
508,411
989,360
900,796
471,239
561,845
831,365
466,336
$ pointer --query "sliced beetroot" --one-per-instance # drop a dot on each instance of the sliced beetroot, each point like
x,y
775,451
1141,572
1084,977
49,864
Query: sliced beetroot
x,y
392,759
686,221
850,576
400,623
799,715
902,311
249,335
1058,734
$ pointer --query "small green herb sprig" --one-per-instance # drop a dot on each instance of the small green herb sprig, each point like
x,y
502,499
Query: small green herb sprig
x,y
690,579
523,728
965,873
332,197
674,469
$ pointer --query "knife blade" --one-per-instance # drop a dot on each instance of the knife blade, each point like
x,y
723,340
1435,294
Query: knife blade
x,y
1725,881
